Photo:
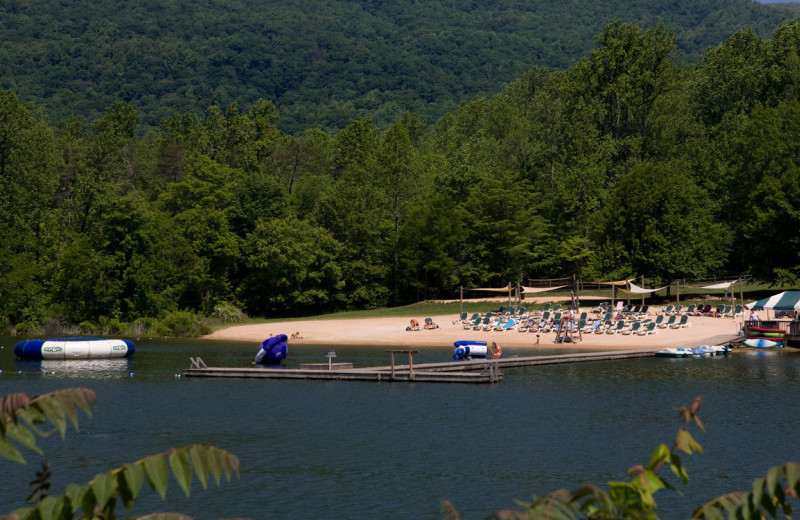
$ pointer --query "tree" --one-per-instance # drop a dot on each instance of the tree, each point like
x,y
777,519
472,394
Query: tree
x,y
764,194
292,268
661,223
397,165
28,220
22,418
627,74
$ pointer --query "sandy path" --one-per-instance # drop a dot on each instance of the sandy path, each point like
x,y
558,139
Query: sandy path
x,y
383,332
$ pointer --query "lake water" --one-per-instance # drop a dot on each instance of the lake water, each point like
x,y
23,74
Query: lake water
x,y
347,450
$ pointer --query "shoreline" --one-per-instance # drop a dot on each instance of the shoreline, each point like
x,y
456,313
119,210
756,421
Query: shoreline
x,y
390,332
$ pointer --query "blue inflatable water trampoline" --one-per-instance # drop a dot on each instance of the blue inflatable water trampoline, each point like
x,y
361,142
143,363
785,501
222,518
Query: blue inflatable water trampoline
x,y
273,350
468,349
74,348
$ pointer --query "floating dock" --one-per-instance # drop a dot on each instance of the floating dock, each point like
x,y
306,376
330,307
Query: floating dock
x,y
471,371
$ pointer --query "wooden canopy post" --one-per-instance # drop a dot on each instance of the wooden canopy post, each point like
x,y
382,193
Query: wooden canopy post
x,y
643,293
741,297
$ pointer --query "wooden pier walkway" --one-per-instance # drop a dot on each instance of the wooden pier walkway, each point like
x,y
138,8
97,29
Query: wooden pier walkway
x,y
469,371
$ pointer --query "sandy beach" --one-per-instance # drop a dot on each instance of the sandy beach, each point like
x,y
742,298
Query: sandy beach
x,y
391,332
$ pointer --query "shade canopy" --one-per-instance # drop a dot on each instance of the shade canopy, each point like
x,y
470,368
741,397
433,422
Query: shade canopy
x,y
635,289
506,289
722,285
530,290
785,301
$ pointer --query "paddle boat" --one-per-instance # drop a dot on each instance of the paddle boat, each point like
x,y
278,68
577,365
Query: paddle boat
x,y
468,349
74,348
272,350
701,351
674,352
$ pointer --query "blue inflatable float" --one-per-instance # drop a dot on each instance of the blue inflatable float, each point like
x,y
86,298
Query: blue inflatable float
x,y
273,350
468,349
74,348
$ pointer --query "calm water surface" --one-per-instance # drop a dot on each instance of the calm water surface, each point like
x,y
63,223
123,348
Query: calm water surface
x,y
351,450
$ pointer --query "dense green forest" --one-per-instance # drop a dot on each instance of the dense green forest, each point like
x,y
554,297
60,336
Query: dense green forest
x,y
627,163
321,63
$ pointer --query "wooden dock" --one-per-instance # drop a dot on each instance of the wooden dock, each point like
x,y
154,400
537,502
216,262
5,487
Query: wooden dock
x,y
469,371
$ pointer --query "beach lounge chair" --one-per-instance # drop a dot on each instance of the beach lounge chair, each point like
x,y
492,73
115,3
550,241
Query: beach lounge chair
x,y
677,309
650,328
632,329
690,309
620,326
619,306
683,323
539,312
668,323
461,319
414,325
583,316
523,326
668,309
429,324
706,311
726,312
482,323
474,324
494,324
509,325
737,311
659,319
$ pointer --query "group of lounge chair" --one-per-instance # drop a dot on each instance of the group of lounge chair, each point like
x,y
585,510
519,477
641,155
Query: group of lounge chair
x,y
623,319
490,321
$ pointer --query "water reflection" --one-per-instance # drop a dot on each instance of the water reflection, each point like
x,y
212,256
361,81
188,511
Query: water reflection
x,y
75,368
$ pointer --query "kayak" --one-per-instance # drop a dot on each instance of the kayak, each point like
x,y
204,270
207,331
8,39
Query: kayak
x,y
762,343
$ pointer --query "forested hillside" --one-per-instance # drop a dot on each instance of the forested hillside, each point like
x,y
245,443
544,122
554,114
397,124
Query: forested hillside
x,y
321,63
624,164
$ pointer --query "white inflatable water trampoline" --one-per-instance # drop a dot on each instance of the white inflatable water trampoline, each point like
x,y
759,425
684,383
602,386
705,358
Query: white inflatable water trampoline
x,y
74,348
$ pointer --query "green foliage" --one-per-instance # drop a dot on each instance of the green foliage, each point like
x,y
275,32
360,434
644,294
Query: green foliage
x,y
627,163
663,223
20,419
183,323
292,264
321,63
228,313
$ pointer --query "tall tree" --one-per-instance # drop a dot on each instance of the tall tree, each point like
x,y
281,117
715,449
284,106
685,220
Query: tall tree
x,y
659,223
627,73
